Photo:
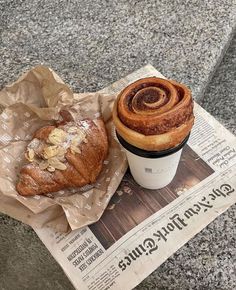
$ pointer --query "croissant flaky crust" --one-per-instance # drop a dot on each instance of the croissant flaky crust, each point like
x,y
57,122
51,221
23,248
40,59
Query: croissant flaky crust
x,y
69,155
154,114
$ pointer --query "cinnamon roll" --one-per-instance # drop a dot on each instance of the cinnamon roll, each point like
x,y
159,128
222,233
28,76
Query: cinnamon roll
x,y
154,114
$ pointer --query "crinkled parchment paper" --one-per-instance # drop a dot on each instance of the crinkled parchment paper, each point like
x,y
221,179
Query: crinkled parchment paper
x,y
30,103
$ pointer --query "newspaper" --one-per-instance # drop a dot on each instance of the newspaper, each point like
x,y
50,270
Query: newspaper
x,y
141,228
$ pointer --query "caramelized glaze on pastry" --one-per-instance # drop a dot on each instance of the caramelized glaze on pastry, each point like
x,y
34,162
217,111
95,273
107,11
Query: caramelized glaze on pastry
x,y
154,114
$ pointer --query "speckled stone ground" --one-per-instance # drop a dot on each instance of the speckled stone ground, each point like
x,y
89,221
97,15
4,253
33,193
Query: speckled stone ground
x,y
93,43
208,261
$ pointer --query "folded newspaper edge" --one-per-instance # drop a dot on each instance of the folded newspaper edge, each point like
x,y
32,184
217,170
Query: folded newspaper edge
x,y
140,251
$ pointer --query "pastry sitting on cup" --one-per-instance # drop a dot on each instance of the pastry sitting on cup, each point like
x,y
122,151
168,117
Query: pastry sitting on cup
x,y
68,155
153,118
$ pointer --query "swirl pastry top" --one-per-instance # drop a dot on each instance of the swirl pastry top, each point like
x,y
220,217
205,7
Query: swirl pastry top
x,y
154,114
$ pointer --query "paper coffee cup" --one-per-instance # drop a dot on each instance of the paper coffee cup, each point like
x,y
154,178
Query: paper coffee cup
x,y
152,169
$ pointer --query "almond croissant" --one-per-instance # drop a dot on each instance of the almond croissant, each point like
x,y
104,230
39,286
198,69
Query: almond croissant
x,y
69,155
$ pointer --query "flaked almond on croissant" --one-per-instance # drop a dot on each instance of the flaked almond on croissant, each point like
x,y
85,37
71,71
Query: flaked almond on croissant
x,y
68,155
154,114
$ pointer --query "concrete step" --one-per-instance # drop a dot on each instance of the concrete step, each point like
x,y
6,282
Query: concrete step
x,y
92,44
207,261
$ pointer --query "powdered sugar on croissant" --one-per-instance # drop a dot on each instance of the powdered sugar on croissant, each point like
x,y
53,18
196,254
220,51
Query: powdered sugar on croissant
x,y
69,155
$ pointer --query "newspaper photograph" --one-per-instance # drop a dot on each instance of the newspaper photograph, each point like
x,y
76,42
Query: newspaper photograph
x,y
141,228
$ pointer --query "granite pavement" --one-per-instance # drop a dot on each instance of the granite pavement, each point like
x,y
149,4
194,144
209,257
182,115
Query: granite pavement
x,y
93,43
208,261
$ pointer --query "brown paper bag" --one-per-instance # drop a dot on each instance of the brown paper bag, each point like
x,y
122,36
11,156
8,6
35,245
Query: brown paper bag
x,y
33,102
